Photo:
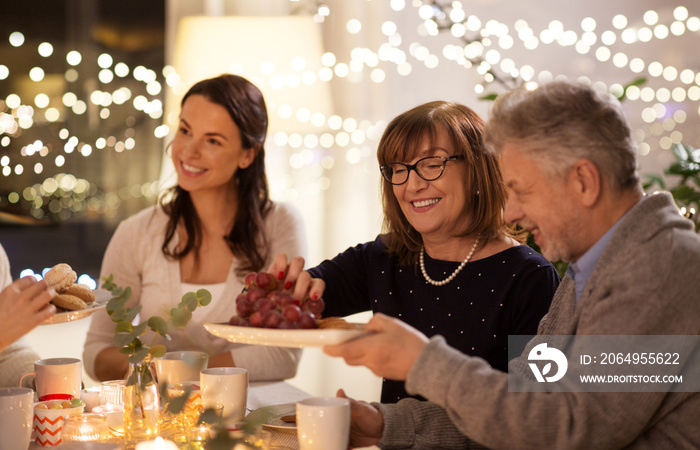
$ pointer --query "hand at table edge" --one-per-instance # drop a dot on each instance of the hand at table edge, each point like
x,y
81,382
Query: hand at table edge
x,y
366,422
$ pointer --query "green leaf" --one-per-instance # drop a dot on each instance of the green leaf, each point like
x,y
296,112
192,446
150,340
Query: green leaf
x,y
685,194
636,82
123,339
180,317
117,315
683,169
209,416
124,327
131,313
139,355
126,350
108,282
189,301
204,297
188,296
139,329
489,97
680,194
158,325
158,350
177,404
126,295
114,304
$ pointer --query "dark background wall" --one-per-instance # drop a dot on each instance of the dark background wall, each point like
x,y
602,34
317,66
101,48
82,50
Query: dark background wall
x,y
80,244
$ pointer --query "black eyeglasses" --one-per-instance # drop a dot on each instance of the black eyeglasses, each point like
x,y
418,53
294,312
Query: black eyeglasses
x,y
429,169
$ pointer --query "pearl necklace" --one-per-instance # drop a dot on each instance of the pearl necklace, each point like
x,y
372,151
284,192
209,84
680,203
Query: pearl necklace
x,y
454,274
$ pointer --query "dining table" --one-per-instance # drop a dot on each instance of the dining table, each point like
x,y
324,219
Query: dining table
x,y
260,394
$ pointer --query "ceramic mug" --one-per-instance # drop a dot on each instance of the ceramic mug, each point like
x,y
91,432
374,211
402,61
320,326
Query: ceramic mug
x,y
323,423
56,378
178,367
226,386
16,416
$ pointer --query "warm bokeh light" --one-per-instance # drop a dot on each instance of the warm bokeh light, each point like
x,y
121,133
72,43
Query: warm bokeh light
x,y
45,49
16,39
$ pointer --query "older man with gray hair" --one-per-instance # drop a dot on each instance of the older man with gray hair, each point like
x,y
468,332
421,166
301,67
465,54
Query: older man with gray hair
x,y
569,161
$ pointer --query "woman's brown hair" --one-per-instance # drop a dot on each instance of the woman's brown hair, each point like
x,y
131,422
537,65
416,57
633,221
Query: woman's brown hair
x,y
246,106
483,211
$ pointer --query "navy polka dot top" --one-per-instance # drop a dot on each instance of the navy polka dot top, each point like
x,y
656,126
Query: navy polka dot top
x,y
506,293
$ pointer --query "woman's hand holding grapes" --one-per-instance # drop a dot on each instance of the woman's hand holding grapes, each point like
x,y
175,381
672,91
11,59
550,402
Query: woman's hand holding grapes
x,y
296,279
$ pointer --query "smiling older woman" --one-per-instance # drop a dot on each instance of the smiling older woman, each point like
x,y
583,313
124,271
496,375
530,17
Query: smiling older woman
x,y
447,263
216,225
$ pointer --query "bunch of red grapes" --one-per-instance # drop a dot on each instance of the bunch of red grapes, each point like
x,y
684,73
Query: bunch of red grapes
x,y
263,305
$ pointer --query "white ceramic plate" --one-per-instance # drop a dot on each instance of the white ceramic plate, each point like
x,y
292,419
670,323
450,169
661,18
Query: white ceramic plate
x,y
282,338
270,416
102,297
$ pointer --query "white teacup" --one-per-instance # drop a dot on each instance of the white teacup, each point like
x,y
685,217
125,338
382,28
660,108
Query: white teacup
x,y
16,417
91,397
177,367
56,378
227,386
323,423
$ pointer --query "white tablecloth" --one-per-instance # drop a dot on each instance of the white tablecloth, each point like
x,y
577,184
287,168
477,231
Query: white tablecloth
x,y
266,393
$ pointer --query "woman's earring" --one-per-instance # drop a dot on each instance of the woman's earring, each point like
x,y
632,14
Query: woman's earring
x,y
477,192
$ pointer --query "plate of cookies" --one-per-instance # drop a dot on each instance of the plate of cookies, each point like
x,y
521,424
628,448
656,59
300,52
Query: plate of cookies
x,y
281,417
73,300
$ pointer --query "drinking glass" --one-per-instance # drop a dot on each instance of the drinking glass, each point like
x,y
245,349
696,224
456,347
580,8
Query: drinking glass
x,y
112,395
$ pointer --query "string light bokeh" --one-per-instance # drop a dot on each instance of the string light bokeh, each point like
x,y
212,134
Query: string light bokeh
x,y
42,129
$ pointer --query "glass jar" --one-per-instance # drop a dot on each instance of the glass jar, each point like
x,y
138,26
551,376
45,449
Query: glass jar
x,y
86,427
141,403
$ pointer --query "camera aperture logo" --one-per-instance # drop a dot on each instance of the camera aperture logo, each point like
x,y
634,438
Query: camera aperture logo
x,y
541,352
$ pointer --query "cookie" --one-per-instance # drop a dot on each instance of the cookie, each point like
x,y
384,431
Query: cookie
x,y
60,276
70,302
338,323
81,291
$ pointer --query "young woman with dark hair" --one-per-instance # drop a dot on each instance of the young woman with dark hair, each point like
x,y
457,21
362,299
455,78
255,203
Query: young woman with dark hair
x,y
211,229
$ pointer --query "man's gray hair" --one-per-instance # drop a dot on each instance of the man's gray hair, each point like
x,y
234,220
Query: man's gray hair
x,y
561,122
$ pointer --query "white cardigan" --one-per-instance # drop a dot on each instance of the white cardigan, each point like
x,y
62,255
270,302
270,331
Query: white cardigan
x,y
135,259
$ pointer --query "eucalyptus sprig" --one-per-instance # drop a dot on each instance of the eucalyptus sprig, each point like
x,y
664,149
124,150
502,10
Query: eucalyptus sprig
x,y
127,335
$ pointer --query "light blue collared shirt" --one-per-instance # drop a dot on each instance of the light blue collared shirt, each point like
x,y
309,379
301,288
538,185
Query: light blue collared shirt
x,y
582,269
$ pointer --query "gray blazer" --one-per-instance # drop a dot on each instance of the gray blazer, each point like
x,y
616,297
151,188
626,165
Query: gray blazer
x,y
647,282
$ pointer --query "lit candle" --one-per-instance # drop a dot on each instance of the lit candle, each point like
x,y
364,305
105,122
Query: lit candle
x,y
158,444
